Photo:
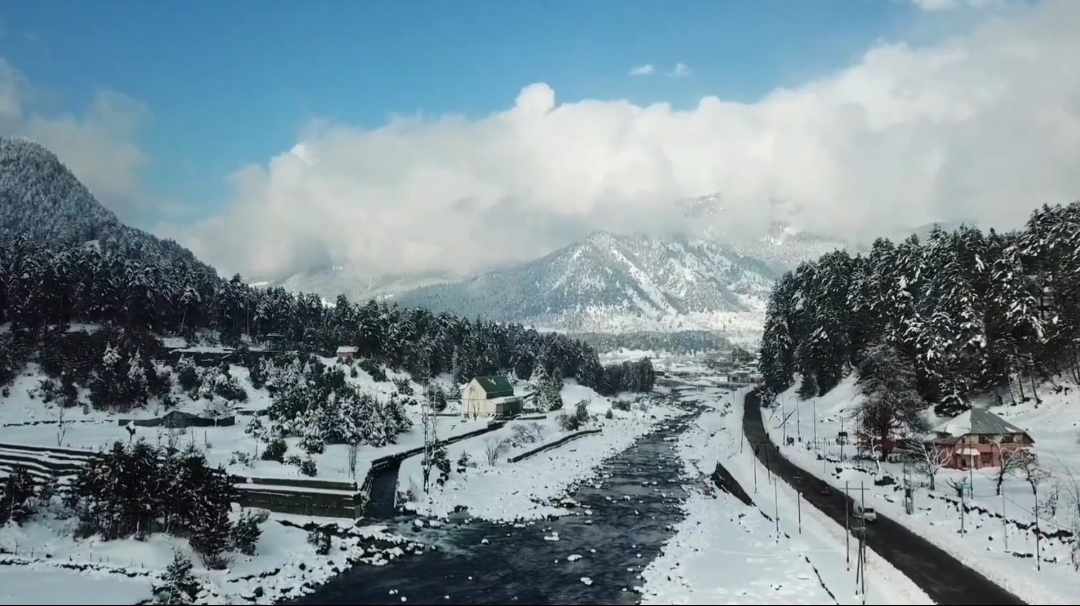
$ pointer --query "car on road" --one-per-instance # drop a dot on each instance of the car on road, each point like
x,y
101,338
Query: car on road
x,y
867,514
825,490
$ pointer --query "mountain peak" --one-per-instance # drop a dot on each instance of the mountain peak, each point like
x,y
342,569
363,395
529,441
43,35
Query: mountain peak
x,y
610,281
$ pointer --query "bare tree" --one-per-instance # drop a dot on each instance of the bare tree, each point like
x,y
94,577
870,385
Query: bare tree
x,y
1028,468
1009,465
891,405
927,459
431,438
61,425
1070,483
495,449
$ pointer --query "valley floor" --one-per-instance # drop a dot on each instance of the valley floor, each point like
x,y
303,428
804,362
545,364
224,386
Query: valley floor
x,y
998,529
44,550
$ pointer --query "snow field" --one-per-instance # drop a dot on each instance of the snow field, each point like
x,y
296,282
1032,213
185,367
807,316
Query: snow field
x,y
936,517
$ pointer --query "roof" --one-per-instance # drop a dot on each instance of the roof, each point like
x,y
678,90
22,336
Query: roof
x,y
346,349
505,399
495,386
978,421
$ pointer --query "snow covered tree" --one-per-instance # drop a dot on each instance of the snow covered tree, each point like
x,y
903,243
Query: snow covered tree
x,y
891,406
179,585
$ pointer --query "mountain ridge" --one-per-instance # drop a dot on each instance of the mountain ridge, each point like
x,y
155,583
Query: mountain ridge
x,y
608,280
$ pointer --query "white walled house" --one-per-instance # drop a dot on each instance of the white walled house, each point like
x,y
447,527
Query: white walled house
x,y
488,397
346,352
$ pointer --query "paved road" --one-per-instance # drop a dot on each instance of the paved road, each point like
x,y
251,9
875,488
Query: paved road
x,y
940,575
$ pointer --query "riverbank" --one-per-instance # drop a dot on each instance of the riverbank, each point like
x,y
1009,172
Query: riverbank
x,y
612,523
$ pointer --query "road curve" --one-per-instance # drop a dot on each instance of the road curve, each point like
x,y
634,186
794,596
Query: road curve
x,y
937,573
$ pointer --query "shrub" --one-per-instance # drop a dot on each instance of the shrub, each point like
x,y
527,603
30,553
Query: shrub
x,y
275,450
308,467
312,444
245,533
320,538
373,368
464,462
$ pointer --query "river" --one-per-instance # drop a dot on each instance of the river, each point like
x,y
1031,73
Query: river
x,y
622,520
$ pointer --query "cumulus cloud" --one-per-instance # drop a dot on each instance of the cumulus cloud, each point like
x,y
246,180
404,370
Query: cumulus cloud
x,y
643,70
984,125
681,70
98,146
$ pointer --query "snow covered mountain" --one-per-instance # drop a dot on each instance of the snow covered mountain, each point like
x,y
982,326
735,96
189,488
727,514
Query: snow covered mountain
x,y
40,199
785,247
616,283
331,281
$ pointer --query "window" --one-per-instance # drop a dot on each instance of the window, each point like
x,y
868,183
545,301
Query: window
x,y
984,439
1007,438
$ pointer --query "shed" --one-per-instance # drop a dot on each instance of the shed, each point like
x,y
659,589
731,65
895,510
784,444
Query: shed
x,y
346,352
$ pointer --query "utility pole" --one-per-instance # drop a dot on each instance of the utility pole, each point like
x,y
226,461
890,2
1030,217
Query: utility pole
x,y
756,462
776,510
798,499
847,527
783,415
816,445
860,531
842,437
798,422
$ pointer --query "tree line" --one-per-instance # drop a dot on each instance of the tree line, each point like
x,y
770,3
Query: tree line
x,y
45,288
970,312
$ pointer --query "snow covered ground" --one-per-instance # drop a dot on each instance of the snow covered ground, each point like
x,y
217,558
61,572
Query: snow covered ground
x,y
43,549
40,563
727,553
494,489
26,420
998,539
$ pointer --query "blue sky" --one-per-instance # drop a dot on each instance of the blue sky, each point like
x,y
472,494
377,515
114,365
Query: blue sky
x,y
232,83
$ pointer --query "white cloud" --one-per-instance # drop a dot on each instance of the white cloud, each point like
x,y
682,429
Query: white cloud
x,y
98,146
643,70
681,70
933,6
986,125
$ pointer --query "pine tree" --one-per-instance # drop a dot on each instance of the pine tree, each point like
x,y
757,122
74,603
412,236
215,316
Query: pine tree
x,y
179,585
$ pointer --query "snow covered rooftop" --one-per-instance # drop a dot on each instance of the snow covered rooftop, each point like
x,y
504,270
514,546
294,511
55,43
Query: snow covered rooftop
x,y
977,421
346,349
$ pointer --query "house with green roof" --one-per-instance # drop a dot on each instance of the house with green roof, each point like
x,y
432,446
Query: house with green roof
x,y
490,396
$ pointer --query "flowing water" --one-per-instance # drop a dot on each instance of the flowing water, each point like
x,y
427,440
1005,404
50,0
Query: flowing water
x,y
618,526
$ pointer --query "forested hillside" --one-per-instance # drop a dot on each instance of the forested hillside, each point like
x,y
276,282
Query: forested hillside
x,y
963,307
64,258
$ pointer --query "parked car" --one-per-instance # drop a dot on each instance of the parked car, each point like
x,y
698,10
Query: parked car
x,y
866,513
825,490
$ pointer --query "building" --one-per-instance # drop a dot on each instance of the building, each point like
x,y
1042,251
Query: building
x,y
976,439
490,397
346,352
272,342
